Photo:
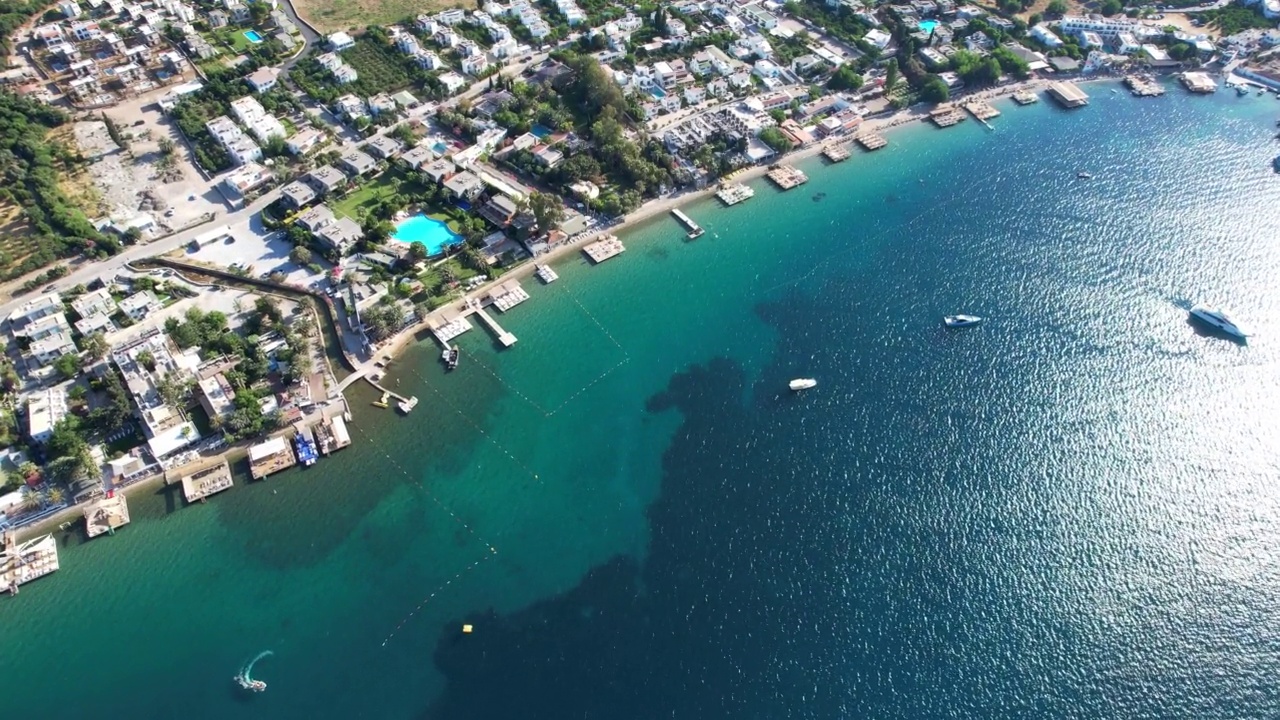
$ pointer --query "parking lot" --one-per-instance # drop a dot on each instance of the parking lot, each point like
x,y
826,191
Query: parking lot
x,y
261,253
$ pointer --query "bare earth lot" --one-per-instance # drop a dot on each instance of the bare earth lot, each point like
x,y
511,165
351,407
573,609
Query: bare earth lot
x,y
331,15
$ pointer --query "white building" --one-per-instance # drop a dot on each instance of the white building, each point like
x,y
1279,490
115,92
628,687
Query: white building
x,y
340,41
1127,44
166,428
252,115
230,136
766,69
1090,39
94,302
44,411
140,304
1103,27
1046,36
263,79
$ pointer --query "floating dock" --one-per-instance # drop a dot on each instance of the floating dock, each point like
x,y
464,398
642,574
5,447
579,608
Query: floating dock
x,y
695,230
104,515
332,435
836,153
787,177
407,406
1026,97
270,457
732,194
1198,82
982,110
871,141
447,326
504,337
1068,94
1144,86
944,116
508,295
22,563
306,446
545,274
607,247
203,483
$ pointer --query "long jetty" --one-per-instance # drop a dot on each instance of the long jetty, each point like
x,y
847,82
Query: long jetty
x,y
695,230
504,337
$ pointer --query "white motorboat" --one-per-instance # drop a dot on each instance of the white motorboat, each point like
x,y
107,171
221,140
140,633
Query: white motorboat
x,y
1218,319
803,383
961,320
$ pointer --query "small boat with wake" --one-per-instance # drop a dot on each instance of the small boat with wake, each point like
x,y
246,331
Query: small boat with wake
x,y
1082,175
244,678
958,321
802,384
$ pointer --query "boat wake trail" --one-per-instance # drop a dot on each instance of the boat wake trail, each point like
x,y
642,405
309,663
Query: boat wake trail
x,y
245,676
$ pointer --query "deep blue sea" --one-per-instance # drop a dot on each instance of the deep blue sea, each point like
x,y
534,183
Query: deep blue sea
x,y
1071,510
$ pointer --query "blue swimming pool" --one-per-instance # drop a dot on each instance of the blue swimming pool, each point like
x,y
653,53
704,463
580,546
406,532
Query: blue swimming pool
x,y
430,232
657,92
253,36
928,25
540,131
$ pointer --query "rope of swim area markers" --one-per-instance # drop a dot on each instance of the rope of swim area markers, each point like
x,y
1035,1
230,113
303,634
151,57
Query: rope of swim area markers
x,y
471,358
502,448
588,386
599,324
493,551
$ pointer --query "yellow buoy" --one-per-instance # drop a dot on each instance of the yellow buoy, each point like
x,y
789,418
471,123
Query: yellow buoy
x,y
466,628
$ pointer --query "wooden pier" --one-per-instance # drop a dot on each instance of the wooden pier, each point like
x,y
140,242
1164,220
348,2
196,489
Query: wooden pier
x,y
944,116
400,399
1026,97
695,231
871,141
106,514
271,456
836,153
787,177
606,247
23,562
981,109
1144,86
1068,94
203,483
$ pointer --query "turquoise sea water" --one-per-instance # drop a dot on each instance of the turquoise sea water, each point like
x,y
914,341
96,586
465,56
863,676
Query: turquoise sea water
x,y
432,233
1070,511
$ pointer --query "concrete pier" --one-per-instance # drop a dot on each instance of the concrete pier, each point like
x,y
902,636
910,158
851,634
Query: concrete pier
x,y
504,337
694,229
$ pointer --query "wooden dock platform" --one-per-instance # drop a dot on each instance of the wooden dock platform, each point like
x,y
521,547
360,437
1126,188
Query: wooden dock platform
x,y
945,116
606,247
1144,86
507,295
836,153
695,230
733,193
1068,94
203,483
787,177
981,109
871,141
23,562
1026,97
271,456
332,435
104,515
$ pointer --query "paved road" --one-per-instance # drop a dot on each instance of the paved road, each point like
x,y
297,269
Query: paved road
x,y
85,272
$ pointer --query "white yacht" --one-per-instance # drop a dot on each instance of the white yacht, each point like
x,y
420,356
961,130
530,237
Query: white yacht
x,y
1218,319
961,320
803,383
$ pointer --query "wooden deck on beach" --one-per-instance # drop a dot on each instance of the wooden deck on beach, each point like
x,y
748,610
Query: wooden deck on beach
x,y
202,483
271,456
603,249
945,116
836,153
1026,97
787,177
981,109
871,141
106,514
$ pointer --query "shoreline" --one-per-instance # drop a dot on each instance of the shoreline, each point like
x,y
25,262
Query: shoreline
x,y
660,206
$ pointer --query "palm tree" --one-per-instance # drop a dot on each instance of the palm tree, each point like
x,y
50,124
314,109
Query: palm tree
x,y
32,500
56,496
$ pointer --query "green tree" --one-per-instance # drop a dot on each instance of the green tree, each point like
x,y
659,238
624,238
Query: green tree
x,y
845,78
891,74
95,346
259,12
300,255
68,366
417,252
1056,8
1111,7
934,90
774,138
147,360
547,210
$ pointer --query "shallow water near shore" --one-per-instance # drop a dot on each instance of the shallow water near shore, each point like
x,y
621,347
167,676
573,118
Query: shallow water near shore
x,y
1068,511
